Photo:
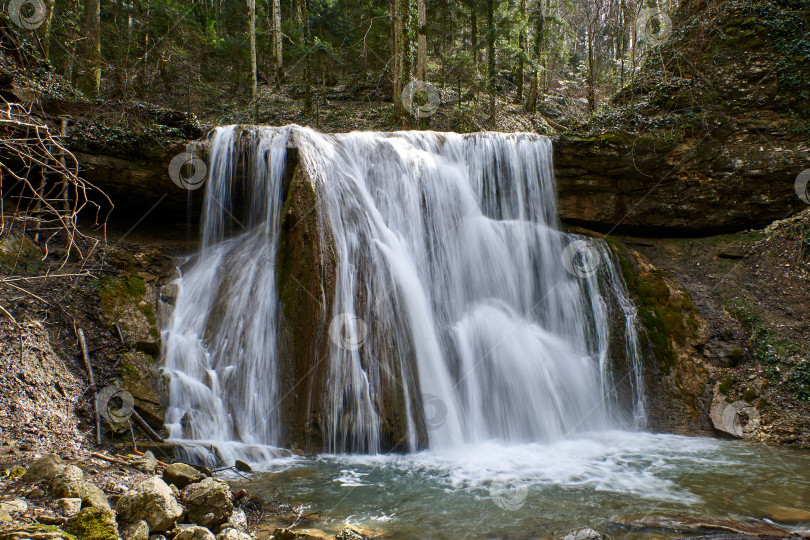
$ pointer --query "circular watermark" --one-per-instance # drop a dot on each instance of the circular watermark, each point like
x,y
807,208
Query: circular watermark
x,y
188,171
741,419
801,186
653,26
421,99
435,411
581,259
348,331
28,14
509,494
115,404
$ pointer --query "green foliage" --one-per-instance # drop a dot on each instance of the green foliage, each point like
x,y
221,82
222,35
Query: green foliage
x,y
726,385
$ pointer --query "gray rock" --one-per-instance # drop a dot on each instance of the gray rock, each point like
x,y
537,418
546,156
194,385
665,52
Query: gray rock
x,y
233,534
43,468
208,502
35,532
238,521
35,493
136,531
4,516
195,533
157,537
146,464
348,533
242,466
94,497
69,506
583,534
152,501
182,475
14,505
68,483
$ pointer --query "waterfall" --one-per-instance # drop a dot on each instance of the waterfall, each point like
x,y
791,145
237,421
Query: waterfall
x,y
454,286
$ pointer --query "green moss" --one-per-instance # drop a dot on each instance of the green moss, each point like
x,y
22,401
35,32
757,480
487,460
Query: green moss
x,y
726,385
749,395
16,472
93,524
115,291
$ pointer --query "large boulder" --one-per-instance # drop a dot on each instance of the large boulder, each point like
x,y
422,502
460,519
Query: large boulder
x,y
68,482
69,506
152,501
182,475
195,533
93,524
146,463
43,468
208,502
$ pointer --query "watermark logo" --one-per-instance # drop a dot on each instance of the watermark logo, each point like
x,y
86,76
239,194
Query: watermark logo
x,y
741,419
581,259
348,331
653,26
509,494
801,186
435,411
28,14
115,404
421,99
187,171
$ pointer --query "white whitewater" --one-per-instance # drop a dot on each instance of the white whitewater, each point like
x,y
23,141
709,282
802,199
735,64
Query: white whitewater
x,y
451,273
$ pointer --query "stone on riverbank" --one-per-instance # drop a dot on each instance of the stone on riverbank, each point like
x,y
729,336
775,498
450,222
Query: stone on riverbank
x,y
152,501
208,502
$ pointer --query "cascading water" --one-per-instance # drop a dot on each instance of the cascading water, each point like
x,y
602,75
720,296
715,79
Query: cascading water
x,y
452,280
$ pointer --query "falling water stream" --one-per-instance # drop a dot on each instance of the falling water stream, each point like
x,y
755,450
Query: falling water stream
x,y
512,344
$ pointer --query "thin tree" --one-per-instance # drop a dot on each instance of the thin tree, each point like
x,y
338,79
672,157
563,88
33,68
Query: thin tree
x,y
301,17
44,31
254,89
421,41
491,70
396,55
522,48
91,72
278,54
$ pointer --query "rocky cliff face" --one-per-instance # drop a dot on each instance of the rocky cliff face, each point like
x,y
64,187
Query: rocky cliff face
x,y
709,139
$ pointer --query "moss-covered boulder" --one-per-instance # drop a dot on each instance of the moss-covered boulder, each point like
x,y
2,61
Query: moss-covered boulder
x,y
19,255
126,301
93,524
141,377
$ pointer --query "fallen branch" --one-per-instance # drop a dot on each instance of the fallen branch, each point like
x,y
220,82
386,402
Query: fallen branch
x,y
145,427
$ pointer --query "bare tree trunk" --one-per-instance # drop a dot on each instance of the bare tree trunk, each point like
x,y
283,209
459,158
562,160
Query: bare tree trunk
x,y
522,47
44,31
474,33
277,50
421,41
591,70
396,53
531,102
91,70
301,16
254,88
491,70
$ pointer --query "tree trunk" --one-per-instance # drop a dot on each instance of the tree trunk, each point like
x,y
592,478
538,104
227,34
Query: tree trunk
x,y
91,70
474,33
591,70
421,41
277,50
491,70
44,31
254,68
522,47
396,54
531,102
301,16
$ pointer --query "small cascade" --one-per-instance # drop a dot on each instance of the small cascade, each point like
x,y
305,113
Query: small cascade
x,y
456,294
220,347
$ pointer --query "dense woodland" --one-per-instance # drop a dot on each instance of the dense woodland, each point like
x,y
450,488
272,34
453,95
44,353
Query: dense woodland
x,y
208,57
